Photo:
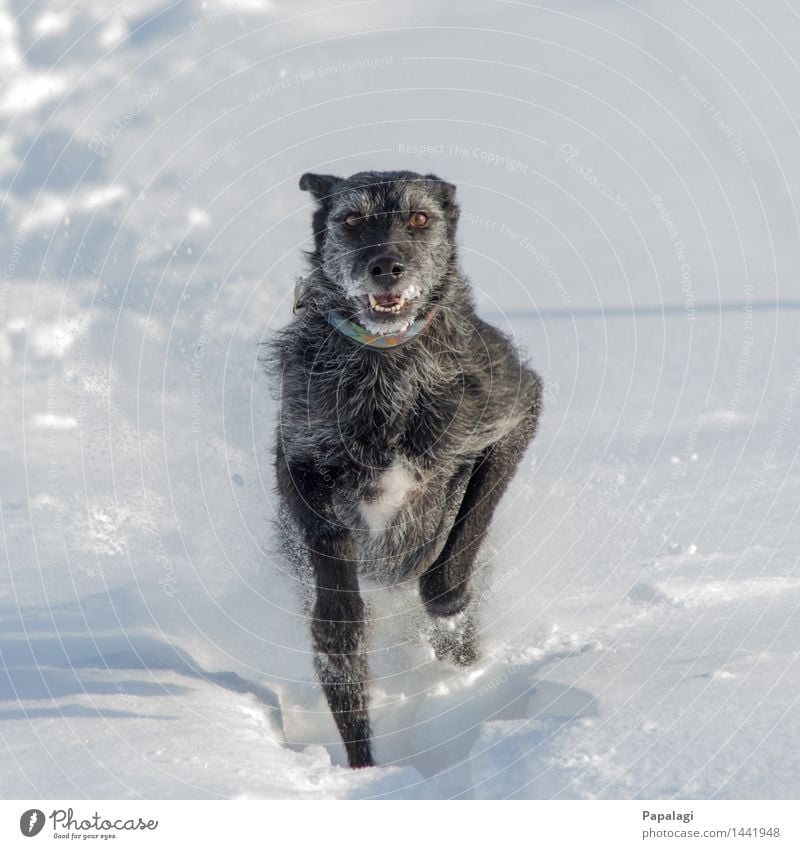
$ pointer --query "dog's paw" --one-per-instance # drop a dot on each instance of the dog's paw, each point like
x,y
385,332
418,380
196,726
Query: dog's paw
x,y
454,639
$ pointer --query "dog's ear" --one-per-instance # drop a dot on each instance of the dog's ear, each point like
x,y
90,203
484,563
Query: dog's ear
x,y
320,185
446,191
447,197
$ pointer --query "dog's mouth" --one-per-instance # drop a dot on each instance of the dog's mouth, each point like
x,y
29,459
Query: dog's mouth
x,y
387,304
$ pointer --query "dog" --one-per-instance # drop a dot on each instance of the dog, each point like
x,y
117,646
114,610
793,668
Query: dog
x,y
403,417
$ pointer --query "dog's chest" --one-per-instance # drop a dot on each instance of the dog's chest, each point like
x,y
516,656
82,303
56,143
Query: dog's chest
x,y
386,493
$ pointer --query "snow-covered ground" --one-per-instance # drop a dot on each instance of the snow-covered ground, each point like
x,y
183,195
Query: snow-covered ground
x,y
629,181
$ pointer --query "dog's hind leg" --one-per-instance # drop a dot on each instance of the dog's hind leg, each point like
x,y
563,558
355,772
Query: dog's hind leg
x,y
337,626
445,586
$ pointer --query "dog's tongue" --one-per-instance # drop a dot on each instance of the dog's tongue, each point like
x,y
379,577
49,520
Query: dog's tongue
x,y
387,300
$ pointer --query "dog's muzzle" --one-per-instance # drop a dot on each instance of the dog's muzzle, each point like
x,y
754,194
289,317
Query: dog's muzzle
x,y
386,269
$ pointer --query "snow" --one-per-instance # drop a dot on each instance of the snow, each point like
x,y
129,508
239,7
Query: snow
x,y
628,177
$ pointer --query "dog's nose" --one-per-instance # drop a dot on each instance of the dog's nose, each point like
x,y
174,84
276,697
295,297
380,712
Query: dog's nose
x,y
386,268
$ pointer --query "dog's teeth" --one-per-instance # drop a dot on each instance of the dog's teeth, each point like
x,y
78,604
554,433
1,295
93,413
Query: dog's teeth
x,y
380,308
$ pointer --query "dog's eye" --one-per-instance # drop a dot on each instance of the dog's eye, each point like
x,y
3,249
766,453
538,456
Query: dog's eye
x,y
419,219
352,219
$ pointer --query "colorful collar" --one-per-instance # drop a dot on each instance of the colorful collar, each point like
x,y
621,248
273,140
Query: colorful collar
x,y
377,340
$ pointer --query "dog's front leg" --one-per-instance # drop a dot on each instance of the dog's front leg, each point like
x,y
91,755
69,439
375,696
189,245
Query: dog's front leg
x,y
444,587
337,627
340,658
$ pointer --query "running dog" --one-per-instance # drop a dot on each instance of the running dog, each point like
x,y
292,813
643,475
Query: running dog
x,y
403,417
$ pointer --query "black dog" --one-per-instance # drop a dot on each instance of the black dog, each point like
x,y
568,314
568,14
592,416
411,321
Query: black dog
x,y
403,418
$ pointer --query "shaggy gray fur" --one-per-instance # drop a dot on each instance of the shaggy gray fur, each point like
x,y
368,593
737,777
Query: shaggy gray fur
x,y
390,462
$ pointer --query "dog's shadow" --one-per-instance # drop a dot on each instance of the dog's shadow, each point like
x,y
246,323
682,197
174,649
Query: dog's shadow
x,y
436,728
437,731
430,718
49,656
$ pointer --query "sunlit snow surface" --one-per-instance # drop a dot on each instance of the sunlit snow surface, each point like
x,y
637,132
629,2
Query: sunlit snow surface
x,y
628,175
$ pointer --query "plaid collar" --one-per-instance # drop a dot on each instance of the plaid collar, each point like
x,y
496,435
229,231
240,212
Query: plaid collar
x,y
377,340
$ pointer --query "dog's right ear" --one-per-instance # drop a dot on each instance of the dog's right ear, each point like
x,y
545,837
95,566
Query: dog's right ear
x,y
322,186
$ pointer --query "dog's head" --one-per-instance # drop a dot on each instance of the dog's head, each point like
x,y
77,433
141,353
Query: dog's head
x,y
384,242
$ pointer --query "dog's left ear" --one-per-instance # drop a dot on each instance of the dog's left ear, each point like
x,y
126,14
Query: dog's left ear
x,y
447,191
322,186
447,196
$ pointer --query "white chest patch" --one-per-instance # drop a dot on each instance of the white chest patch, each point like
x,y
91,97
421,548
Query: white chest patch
x,y
391,491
